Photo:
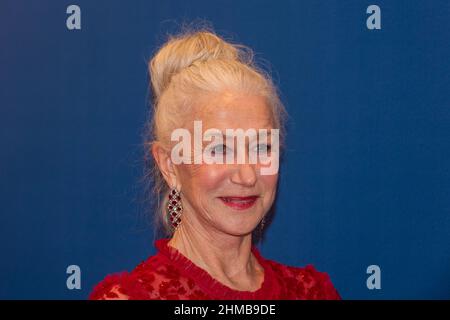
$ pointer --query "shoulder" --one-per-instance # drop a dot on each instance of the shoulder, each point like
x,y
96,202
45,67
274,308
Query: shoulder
x,y
305,282
123,285
111,288
127,285
153,279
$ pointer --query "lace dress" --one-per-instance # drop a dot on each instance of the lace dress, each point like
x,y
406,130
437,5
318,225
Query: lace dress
x,y
169,275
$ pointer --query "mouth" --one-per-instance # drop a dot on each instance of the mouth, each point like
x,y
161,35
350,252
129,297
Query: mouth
x,y
239,203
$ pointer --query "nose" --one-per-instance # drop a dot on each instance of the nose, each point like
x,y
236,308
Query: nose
x,y
245,175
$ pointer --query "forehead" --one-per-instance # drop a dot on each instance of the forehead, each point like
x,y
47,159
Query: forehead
x,y
235,111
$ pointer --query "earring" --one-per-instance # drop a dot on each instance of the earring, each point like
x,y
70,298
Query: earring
x,y
174,208
261,228
262,223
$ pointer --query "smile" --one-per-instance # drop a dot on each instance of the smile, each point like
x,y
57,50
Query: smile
x,y
239,203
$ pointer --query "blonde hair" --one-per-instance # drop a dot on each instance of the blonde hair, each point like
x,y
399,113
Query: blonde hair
x,y
187,68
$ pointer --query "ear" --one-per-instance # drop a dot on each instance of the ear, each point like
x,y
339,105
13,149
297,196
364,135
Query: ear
x,y
165,165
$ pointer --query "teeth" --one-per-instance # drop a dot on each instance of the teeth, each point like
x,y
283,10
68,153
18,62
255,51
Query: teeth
x,y
235,200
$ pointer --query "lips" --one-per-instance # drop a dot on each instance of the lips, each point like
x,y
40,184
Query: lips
x,y
239,203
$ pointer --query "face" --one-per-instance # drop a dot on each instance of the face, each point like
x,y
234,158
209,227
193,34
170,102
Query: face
x,y
213,195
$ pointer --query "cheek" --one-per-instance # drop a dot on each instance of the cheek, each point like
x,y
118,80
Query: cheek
x,y
270,185
207,177
269,181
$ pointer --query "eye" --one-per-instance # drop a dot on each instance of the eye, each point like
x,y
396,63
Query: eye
x,y
262,147
219,149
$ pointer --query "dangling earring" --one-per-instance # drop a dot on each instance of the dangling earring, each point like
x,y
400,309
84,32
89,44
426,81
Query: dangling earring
x,y
261,227
174,208
263,222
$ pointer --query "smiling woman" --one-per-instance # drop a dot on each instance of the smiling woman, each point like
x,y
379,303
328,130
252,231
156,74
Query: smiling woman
x,y
210,211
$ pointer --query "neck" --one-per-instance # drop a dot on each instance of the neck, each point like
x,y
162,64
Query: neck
x,y
226,258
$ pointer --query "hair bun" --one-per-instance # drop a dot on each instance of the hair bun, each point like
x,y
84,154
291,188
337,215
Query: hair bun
x,y
182,51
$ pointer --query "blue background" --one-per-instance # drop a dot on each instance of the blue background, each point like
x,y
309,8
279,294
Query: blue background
x,y
366,177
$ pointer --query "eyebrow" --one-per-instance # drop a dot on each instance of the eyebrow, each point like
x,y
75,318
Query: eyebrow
x,y
207,135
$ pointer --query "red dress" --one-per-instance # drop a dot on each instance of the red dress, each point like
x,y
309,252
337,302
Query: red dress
x,y
169,275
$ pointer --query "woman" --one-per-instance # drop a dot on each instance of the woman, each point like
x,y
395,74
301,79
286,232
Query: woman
x,y
211,210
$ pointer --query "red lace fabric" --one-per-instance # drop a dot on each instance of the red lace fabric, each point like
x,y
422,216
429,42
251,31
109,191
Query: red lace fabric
x,y
169,275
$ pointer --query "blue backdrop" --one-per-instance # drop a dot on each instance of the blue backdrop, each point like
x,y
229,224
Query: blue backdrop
x,y
366,177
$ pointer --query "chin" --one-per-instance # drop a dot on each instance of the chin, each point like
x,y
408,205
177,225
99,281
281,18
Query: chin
x,y
239,231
